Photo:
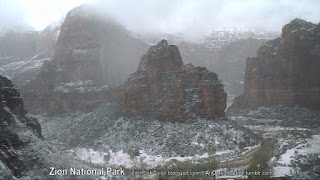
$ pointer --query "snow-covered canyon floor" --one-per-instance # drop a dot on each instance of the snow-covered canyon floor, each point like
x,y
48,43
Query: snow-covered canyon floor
x,y
104,137
296,131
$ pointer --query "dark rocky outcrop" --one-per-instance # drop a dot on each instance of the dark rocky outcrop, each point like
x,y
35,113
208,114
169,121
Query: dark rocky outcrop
x,y
165,88
12,113
285,70
92,54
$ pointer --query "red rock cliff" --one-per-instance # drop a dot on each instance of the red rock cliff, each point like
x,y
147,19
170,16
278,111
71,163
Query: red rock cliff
x,y
165,88
91,54
285,70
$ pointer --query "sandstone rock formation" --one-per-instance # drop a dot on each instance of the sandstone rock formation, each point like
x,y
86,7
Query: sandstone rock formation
x,y
25,43
92,47
23,51
165,88
12,115
92,54
285,70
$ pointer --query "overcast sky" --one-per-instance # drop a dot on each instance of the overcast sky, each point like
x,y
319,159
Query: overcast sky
x,y
186,16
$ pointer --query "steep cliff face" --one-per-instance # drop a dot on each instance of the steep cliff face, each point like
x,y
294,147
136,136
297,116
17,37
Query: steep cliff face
x,y
47,38
285,70
165,88
12,119
92,53
22,52
23,152
26,43
92,47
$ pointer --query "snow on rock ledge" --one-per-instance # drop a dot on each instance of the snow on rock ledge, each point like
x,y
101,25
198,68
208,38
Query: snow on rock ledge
x,y
165,88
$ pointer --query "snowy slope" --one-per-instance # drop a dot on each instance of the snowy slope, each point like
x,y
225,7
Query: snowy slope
x,y
106,131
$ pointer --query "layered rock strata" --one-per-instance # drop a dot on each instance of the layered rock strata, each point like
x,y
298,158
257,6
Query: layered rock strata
x,y
92,54
285,70
165,88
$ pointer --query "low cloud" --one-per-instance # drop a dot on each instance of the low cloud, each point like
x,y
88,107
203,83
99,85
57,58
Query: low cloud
x,y
172,16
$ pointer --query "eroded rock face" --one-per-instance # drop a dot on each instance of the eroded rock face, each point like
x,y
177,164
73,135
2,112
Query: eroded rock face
x,y
22,52
91,47
165,88
26,43
12,112
18,44
285,70
92,54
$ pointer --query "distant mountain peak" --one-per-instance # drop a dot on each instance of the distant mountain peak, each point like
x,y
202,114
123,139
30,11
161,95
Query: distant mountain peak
x,y
221,37
296,25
